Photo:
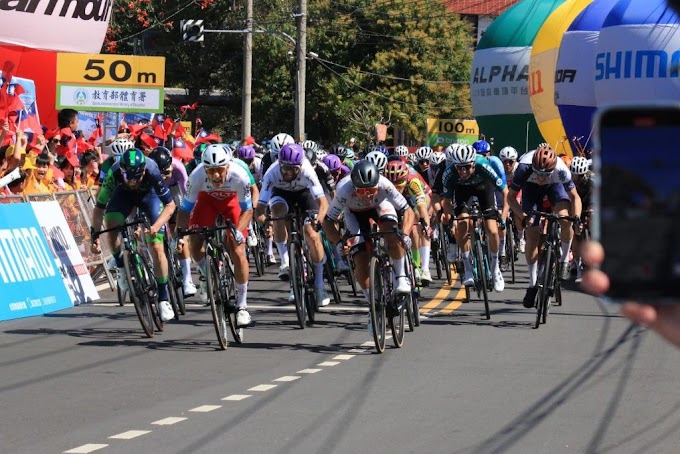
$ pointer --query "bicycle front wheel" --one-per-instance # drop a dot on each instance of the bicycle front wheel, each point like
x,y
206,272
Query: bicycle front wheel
x,y
398,319
377,303
543,299
510,249
217,302
137,277
482,275
298,281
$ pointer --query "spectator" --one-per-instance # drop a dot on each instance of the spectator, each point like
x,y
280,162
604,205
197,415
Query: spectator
x,y
17,186
89,161
70,166
68,118
37,182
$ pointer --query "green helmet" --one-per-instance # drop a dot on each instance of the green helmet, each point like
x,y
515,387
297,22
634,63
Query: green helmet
x,y
133,162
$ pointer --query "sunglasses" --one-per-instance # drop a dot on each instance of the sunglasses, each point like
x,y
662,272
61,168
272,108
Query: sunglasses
x,y
541,173
167,172
364,192
247,161
509,161
132,176
286,168
216,170
463,166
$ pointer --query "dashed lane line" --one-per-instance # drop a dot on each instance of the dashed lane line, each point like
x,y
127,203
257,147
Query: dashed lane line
x,y
237,397
130,434
328,363
343,357
169,421
309,371
86,449
262,388
205,408
287,378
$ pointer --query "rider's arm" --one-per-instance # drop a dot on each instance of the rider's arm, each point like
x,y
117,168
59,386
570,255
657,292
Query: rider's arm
x,y
245,201
189,200
165,196
179,174
576,206
323,206
255,195
514,205
409,218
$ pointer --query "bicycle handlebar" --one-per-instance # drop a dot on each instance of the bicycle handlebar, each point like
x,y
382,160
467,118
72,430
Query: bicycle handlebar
x,y
121,227
548,215
205,231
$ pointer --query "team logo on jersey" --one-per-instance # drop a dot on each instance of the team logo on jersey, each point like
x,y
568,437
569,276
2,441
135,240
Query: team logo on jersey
x,y
221,194
562,175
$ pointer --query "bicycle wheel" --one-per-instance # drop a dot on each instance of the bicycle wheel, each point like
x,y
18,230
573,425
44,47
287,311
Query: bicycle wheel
x,y
217,302
137,277
544,281
553,282
172,296
329,272
410,316
311,304
397,319
121,296
257,259
481,281
228,292
416,310
437,261
297,281
377,303
510,250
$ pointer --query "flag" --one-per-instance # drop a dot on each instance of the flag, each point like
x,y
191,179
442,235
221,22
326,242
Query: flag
x,y
149,140
97,133
180,132
158,126
182,150
184,109
206,137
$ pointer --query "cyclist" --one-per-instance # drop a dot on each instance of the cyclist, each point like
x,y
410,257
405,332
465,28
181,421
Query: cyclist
x,y
198,152
472,175
175,176
423,167
288,182
335,167
135,181
247,154
414,192
322,173
218,187
583,179
541,174
117,147
401,151
364,196
379,159
275,145
347,156
509,156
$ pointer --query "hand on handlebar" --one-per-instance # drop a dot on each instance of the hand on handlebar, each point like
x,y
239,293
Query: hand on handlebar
x,y
407,241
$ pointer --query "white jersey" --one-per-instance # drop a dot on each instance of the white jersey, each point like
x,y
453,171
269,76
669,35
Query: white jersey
x,y
306,179
525,173
346,198
511,174
237,184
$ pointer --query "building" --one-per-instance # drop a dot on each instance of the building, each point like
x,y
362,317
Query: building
x,y
479,12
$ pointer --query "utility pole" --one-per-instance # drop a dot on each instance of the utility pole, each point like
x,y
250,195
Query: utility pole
x,y
246,100
301,51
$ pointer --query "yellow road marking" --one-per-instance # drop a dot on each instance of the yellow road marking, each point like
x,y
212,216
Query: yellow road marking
x,y
457,302
442,294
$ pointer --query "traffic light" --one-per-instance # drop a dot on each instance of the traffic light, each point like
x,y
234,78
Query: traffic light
x,y
192,30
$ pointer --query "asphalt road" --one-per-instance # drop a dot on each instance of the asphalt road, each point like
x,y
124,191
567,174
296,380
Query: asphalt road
x,y
86,380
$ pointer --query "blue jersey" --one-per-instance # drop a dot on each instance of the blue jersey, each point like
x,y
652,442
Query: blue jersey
x,y
484,172
497,166
152,181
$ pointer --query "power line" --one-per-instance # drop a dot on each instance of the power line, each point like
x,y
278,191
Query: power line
x,y
165,19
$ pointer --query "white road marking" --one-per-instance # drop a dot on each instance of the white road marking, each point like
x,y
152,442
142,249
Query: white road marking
x,y
344,357
85,449
205,408
262,388
368,344
169,421
309,371
287,378
328,363
357,350
237,397
130,434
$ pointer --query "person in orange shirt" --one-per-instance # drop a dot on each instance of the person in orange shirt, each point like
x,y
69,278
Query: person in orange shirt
x,y
71,168
37,182
90,164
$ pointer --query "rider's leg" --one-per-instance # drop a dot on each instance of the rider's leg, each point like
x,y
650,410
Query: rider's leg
x,y
279,209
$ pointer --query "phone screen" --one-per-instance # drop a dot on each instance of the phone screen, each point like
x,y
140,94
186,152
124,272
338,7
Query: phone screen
x,y
638,168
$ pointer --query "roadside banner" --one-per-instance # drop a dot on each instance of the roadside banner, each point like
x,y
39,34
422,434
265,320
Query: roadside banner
x,y
52,25
65,251
110,83
31,281
444,132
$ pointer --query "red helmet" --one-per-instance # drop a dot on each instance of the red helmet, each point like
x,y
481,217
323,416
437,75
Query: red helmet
x,y
544,159
396,172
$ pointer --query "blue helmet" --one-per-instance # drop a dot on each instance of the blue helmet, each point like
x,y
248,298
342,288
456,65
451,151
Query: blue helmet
x,y
482,146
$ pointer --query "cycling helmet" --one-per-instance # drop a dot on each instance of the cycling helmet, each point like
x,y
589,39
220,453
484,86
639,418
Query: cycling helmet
x,y
544,159
579,165
246,152
378,159
278,141
437,158
541,145
397,172
450,150
482,147
133,163
120,146
508,154
349,153
412,159
163,158
291,154
310,144
338,149
401,150
320,154
332,162
215,155
423,153
199,149
464,154
365,175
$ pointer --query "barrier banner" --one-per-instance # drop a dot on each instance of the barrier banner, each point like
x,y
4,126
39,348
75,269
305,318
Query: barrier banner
x,y
75,274
31,281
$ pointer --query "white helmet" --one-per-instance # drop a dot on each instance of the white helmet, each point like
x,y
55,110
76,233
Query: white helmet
x,y
437,158
508,154
579,165
120,146
278,141
319,154
412,159
401,150
377,158
349,153
424,153
310,145
215,155
465,154
450,150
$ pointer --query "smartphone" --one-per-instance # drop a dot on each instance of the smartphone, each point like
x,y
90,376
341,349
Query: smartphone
x,y
637,201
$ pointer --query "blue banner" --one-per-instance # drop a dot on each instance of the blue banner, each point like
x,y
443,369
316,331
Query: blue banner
x,y
31,282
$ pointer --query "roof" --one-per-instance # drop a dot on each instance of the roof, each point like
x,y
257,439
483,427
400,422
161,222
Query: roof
x,y
479,7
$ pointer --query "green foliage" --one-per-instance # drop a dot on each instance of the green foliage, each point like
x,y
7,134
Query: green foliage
x,y
395,61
